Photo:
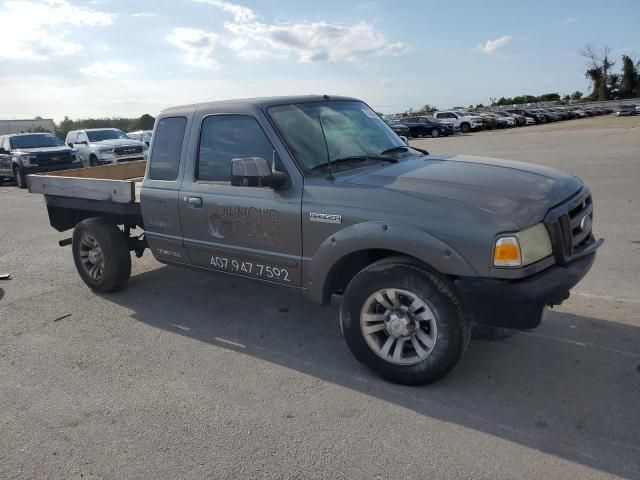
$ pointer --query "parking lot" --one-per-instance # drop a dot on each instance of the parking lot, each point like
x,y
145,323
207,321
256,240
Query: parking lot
x,y
186,375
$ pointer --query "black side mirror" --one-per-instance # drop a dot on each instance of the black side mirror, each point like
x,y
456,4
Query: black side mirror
x,y
255,172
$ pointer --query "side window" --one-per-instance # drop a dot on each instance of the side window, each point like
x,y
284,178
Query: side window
x,y
224,137
165,156
81,137
7,144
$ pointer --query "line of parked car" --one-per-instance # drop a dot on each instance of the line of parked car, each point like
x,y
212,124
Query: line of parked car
x,y
453,121
25,153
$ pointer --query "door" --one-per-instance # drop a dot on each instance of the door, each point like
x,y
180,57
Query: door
x,y
242,230
160,194
81,144
5,157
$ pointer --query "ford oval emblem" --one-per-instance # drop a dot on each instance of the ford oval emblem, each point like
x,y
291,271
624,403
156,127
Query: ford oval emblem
x,y
585,223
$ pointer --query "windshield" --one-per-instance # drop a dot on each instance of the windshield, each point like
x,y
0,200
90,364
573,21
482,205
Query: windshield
x,y
35,141
108,134
343,128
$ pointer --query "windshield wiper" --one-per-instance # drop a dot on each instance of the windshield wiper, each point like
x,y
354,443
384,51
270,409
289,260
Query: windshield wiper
x,y
354,158
402,148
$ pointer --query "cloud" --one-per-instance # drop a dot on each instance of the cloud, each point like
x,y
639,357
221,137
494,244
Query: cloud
x,y
29,28
198,46
305,40
492,45
107,69
239,12
567,21
144,14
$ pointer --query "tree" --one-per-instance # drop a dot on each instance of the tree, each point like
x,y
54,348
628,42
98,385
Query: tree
x,y
629,82
577,95
614,86
598,67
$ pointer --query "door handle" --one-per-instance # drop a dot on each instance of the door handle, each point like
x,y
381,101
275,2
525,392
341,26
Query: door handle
x,y
194,202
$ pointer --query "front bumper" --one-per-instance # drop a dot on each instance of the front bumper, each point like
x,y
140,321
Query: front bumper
x,y
520,304
108,160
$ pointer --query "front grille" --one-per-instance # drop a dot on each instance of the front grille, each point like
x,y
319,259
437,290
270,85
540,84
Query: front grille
x,y
127,150
53,158
569,227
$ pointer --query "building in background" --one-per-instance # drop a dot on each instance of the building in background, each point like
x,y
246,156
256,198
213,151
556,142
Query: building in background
x,y
25,126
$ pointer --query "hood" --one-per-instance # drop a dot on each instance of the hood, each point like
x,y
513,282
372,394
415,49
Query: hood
x,y
61,148
518,191
118,142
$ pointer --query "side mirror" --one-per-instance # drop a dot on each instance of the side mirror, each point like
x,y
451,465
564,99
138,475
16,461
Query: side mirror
x,y
3,151
255,172
404,139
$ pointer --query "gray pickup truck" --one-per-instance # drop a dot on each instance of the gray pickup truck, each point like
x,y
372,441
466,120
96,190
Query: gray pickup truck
x,y
319,195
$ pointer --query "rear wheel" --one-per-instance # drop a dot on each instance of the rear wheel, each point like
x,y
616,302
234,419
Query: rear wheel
x,y
465,127
20,177
101,255
404,322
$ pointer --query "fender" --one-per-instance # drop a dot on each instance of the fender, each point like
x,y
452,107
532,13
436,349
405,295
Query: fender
x,y
404,239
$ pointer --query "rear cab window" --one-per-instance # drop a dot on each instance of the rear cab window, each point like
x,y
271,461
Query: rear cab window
x,y
167,147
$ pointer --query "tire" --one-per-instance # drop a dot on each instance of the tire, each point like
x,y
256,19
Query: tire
x,y
435,133
465,127
21,180
440,317
93,161
112,255
487,332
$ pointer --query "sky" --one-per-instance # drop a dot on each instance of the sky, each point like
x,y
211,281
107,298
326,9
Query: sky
x,y
124,58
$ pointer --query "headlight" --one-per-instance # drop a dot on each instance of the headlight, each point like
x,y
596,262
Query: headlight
x,y
27,159
106,150
522,248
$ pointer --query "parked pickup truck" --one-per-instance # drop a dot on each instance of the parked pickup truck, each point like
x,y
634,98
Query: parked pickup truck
x,y
25,153
319,195
102,146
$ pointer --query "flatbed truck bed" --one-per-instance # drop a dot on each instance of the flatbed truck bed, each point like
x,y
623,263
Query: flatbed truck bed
x,y
118,183
109,190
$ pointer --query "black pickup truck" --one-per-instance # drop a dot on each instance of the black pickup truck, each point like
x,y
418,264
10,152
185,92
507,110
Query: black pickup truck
x,y
25,153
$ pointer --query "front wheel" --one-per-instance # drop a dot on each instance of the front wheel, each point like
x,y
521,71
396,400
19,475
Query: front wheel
x,y
101,255
21,180
404,322
435,133
465,128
